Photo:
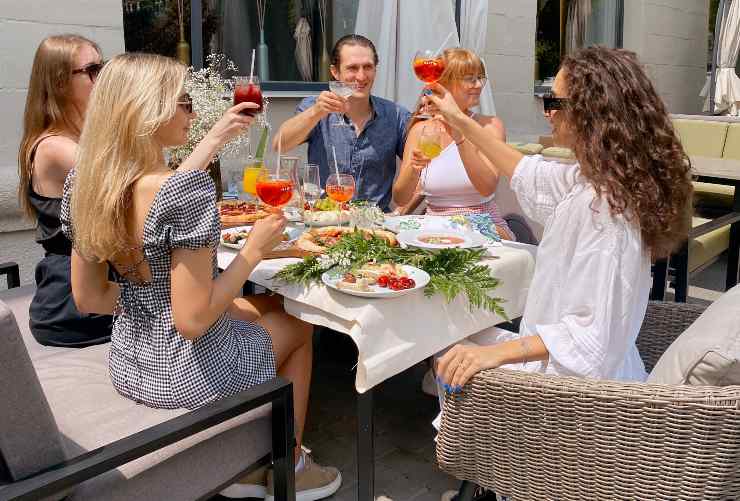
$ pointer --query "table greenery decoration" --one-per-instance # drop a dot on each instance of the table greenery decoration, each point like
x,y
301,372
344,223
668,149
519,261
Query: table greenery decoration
x,y
452,271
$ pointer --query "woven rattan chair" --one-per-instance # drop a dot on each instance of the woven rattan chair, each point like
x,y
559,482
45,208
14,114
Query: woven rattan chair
x,y
535,437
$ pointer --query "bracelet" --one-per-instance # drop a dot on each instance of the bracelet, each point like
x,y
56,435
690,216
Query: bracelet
x,y
461,141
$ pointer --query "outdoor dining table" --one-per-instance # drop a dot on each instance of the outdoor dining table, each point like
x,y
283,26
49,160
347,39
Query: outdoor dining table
x,y
394,334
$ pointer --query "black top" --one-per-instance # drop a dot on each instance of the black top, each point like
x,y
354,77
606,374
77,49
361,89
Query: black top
x,y
49,227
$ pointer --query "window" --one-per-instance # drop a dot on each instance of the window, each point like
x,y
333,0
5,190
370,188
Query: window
x,y
296,35
567,25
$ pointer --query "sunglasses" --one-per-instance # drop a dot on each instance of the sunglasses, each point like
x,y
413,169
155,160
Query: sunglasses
x,y
186,103
92,70
552,103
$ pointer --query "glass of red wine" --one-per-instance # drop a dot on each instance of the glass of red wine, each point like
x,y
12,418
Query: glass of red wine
x,y
248,90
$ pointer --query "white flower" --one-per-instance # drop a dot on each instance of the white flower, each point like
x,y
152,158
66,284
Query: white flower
x,y
211,93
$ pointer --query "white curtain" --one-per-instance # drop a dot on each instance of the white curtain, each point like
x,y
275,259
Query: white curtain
x,y
727,84
473,31
399,28
601,25
579,12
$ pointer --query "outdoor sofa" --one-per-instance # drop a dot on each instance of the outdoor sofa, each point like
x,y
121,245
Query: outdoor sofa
x,y
64,430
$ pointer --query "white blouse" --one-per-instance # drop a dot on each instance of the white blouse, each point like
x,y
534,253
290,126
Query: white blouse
x,y
591,282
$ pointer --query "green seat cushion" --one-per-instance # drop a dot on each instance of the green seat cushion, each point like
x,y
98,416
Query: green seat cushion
x,y
527,148
716,196
732,144
707,247
558,152
700,137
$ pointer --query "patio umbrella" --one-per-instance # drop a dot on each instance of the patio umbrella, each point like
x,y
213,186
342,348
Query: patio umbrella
x,y
303,56
727,84
575,29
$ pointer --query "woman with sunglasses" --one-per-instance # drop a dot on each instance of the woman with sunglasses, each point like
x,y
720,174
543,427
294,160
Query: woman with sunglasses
x,y
623,204
64,70
460,180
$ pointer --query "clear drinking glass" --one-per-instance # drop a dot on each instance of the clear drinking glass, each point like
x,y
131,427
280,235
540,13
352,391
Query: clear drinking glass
x,y
340,188
428,67
343,90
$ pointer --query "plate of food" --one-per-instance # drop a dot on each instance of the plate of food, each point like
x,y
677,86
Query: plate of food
x,y
434,239
318,240
378,280
326,212
235,238
238,212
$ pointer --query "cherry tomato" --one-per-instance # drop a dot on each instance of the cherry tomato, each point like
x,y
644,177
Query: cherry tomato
x,y
412,284
382,281
394,284
405,283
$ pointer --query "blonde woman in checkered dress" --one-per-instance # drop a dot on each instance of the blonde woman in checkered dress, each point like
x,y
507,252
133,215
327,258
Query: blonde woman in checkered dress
x,y
460,180
182,337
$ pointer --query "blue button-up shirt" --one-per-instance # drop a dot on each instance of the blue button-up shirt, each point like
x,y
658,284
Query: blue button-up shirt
x,y
369,157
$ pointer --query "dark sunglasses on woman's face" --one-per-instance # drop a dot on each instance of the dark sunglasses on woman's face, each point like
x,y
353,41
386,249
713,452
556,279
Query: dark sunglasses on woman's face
x,y
551,103
186,102
92,70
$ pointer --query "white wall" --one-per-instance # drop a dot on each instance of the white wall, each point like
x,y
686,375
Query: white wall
x,y
22,27
509,56
670,36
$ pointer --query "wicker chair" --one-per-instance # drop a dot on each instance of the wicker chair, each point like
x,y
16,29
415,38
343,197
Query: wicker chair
x,y
532,437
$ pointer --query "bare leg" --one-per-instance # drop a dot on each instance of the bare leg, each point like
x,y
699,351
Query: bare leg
x,y
250,308
291,341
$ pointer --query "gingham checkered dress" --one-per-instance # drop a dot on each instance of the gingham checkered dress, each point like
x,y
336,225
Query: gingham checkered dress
x,y
149,361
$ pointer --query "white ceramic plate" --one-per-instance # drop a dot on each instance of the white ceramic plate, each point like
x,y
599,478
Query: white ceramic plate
x,y
420,277
293,233
416,238
398,224
325,218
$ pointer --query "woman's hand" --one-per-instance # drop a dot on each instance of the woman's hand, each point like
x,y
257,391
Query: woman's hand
x,y
232,123
266,234
462,362
446,108
419,161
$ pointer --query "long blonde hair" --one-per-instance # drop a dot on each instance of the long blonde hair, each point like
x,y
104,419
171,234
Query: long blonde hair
x,y
134,95
459,63
47,102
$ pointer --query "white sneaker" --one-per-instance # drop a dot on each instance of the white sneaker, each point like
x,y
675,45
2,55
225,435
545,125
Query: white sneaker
x,y
312,482
251,485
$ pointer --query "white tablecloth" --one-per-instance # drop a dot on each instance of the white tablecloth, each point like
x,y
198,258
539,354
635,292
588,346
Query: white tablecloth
x,y
393,334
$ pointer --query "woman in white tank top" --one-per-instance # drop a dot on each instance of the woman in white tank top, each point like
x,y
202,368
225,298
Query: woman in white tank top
x,y
460,180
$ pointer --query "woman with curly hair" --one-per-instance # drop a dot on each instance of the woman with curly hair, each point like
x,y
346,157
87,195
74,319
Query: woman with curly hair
x,y
622,204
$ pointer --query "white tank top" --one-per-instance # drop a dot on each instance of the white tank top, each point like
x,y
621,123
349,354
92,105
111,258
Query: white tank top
x,y
446,183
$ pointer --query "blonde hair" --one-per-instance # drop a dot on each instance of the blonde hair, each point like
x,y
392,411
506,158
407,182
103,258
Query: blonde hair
x,y
134,95
459,63
47,102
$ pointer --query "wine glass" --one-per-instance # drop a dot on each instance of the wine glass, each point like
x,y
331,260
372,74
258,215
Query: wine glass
x,y
340,188
430,144
248,90
275,186
310,185
428,67
252,172
343,90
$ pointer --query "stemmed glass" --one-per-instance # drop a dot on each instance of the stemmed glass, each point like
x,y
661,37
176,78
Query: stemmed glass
x,y
340,188
310,185
428,67
248,90
430,144
275,186
343,90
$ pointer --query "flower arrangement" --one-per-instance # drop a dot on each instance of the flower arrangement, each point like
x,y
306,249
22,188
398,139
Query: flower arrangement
x,y
211,93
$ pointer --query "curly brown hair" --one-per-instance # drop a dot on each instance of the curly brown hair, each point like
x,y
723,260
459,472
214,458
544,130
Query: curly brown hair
x,y
626,145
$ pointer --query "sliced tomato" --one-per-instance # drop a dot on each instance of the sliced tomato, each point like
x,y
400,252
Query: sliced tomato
x,y
382,281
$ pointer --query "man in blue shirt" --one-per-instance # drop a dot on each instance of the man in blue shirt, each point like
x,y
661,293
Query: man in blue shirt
x,y
375,133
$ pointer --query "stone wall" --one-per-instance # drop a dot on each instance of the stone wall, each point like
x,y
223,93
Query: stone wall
x,y
22,27
670,36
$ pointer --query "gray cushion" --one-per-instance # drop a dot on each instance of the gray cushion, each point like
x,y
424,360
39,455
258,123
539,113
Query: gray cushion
x,y
90,414
29,438
18,300
708,352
